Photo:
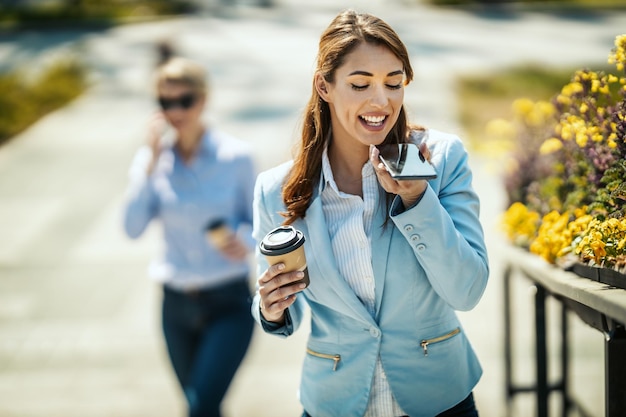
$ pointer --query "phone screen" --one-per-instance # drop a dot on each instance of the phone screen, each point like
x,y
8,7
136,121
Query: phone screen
x,y
404,161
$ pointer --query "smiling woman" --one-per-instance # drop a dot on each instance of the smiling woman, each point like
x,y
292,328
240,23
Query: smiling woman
x,y
388,261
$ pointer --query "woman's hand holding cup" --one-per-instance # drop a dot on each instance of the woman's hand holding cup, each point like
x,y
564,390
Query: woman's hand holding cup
x,y
277,290
287,275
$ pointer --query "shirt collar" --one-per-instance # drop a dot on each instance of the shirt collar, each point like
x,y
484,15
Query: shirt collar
x,y
327,178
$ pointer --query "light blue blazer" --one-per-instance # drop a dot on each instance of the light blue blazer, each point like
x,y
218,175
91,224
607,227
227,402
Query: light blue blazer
x,y
428,262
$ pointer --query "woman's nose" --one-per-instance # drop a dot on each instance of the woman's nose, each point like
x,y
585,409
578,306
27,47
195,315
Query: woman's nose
x,y
379,97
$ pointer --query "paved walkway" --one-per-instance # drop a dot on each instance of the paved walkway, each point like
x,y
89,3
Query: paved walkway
x,y
79,330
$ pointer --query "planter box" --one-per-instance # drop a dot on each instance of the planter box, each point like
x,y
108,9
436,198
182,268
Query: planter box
x,y
582,287
602,275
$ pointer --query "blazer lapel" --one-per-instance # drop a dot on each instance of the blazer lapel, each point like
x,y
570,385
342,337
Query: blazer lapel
x,y
322,266
381,240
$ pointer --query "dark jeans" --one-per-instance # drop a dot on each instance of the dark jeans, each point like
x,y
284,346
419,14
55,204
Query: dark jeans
x,y
465,408
207,335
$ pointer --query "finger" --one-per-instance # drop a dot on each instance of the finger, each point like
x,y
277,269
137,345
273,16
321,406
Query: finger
x,y
425,151
275,312
374,152
379,167
282,283
278,295
281,286
271,272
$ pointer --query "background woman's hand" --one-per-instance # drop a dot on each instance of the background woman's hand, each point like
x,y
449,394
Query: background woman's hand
x,y
157,125
408,190
278,291
233,248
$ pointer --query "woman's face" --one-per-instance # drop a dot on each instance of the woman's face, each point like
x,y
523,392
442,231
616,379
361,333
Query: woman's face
x,y
181,105
366,97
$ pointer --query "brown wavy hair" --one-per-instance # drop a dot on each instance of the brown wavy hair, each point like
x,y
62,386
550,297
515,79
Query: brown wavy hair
x,y
347,31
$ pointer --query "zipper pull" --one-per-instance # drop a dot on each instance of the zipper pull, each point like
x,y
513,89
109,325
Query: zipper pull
x,y
336,360
424,345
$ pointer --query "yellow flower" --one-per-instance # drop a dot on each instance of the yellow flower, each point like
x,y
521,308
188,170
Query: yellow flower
x,y
564,100
520,224
572,88
523,106
552,239
602,242
595,86
581,139
550,146
604,89
597,137
598,250
618,54
500,128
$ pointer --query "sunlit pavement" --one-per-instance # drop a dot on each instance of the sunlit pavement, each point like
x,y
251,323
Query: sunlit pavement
x,y
79,329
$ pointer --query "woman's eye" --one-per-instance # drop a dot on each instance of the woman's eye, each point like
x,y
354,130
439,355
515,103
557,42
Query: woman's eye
x,y
359,87
395,86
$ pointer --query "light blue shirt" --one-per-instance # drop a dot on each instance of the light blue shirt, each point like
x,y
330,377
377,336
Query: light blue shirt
x,y
349,219
218,183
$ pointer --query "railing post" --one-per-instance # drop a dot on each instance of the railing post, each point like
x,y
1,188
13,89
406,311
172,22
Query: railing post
x,y
508,371
615,369
566,402
541,352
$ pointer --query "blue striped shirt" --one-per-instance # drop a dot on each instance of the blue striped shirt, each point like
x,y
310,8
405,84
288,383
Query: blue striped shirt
x,y
349,219
218,183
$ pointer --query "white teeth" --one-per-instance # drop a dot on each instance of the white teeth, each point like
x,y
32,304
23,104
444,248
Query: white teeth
x,y
373,120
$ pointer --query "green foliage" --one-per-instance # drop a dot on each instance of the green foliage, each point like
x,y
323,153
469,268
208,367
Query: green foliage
x,y
590,4
90,11
24,101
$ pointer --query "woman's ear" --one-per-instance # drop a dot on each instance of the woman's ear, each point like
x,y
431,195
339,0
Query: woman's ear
x,y
321,86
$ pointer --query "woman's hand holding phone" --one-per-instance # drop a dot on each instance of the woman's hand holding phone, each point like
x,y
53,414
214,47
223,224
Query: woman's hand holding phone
x,y
409,190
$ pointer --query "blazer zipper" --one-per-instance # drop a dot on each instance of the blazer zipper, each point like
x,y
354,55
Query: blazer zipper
x,y
335,358
424,344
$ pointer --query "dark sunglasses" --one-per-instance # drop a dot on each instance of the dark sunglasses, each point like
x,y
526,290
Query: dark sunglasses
x,y
185,102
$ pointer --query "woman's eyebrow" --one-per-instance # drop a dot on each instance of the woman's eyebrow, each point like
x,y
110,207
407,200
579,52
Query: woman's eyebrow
x,y
369,74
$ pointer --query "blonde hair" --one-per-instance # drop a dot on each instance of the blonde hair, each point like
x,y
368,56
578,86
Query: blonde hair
x,y
178,70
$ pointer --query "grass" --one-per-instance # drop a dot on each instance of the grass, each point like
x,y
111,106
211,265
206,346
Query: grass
x,y
26,99
582,4
88,12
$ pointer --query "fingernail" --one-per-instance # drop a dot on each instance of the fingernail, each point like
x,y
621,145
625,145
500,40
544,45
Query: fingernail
x,y
300,274
281,267
302,286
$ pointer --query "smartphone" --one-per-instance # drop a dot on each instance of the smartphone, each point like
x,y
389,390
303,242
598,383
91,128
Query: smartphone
x,y
404,161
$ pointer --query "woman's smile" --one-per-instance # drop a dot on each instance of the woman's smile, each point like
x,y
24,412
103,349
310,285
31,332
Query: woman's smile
x,y
374,123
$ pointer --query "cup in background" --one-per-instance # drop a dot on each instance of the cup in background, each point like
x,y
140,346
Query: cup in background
x,y
219,233
286,244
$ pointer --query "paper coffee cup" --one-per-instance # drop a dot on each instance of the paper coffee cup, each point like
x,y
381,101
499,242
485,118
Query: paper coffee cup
x,y
286,244
218,233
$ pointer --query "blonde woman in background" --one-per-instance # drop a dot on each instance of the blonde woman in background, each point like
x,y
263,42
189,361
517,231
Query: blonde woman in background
x,y
186,177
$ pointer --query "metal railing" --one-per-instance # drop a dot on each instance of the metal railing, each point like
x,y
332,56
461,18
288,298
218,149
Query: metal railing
x,y
601,306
